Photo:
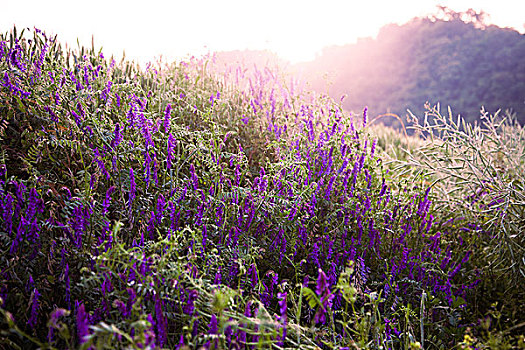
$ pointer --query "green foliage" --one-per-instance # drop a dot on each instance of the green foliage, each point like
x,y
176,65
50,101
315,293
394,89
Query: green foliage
x,y
253,214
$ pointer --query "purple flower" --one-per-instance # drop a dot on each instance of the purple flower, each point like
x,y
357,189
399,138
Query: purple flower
x,y
213,330
132,114
194,177
189,307
373,148
51,113
107,90
117,136
35,306
167,116
322,283
100,162
325,296
162,322
282,306
252,272
107,200
53,322
365,115
56,315
282,317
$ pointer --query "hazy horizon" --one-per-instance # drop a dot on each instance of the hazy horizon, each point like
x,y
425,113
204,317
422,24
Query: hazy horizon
x,y
295,31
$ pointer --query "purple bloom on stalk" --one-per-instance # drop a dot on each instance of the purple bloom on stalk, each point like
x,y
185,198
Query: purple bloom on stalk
x,y
322,283
117,136
53,321
100,163
167,116
365,116
282,317
373,148
162,322
131,114
35,305
282,306
252,272
150,333
82,322
189,307
107,200
51,114
107,90
194,177
78,121
314,255
213,330
325,296
56,315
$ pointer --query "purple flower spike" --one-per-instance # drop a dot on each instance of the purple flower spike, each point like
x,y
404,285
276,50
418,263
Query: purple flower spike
x,y
365,116
167,117
282,306
82,323
33,319
322,283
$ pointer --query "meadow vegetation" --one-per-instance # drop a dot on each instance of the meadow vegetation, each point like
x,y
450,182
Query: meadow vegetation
x,y
187,206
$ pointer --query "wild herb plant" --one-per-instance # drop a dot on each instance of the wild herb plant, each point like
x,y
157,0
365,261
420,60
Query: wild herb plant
x,y
178,205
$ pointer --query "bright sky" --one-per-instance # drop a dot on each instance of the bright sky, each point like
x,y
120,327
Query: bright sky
x,y
294,29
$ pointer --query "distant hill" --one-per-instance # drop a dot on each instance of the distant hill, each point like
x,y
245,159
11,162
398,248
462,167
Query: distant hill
x,y
455,60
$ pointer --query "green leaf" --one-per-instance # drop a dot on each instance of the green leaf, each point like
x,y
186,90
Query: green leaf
x,y
311,297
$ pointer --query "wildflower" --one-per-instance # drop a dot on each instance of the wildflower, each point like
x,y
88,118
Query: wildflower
x,y
51,113
365,115
194,177
100,162
189,307
325,296
35,306
162,322
252,272
373,148
53,321
150,333
56,315
282,306
131,114
107,90
282,315
107,200
167,115
117,136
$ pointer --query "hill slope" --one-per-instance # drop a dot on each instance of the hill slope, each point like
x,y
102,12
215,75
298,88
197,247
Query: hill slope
x,y
464,65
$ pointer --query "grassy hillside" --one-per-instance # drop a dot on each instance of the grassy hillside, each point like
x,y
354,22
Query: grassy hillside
x,y
187,206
